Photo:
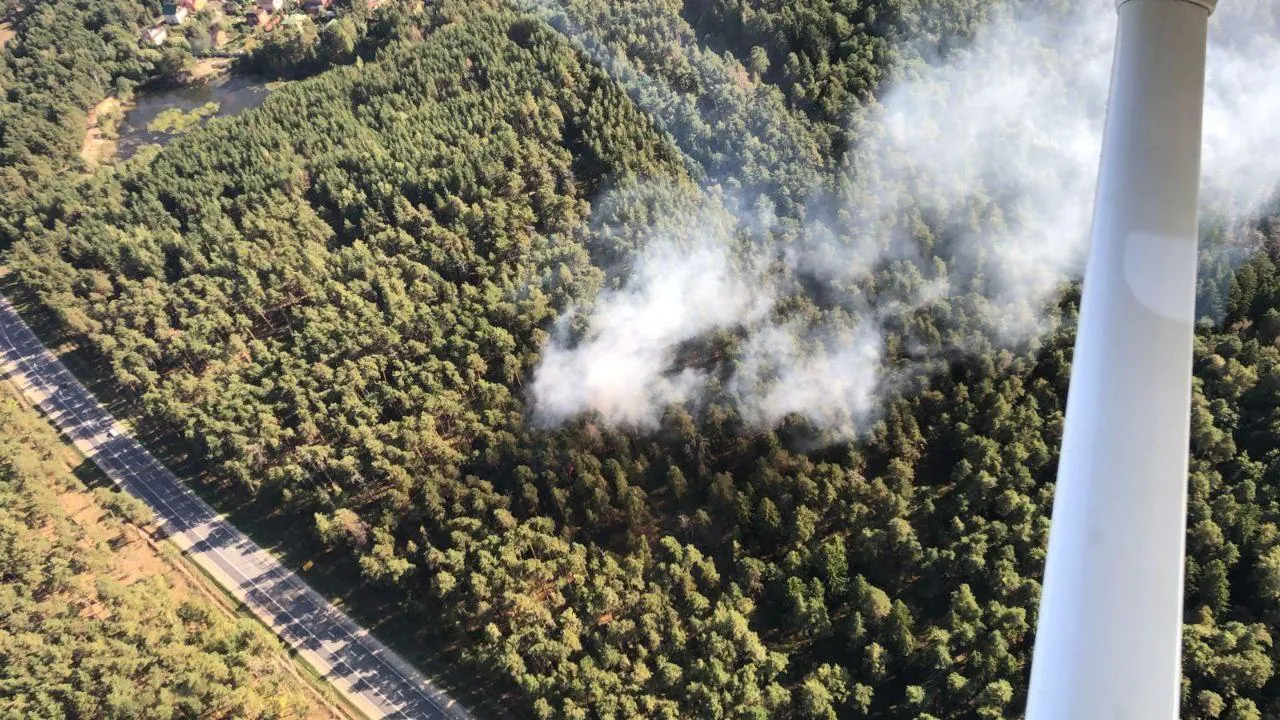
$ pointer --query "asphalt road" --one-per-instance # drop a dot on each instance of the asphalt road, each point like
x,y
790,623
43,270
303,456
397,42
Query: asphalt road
x,y
369,674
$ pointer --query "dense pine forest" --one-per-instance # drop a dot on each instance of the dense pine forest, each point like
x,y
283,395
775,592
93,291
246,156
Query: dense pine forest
x,y
336,304
88,633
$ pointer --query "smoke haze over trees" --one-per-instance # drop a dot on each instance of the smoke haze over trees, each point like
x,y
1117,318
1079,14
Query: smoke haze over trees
x,y
681,359
980,168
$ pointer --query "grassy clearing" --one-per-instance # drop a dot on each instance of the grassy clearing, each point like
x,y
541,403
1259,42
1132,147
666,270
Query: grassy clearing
x,y
103,135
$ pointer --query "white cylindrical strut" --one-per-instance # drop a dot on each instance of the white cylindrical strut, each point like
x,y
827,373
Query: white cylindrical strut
x,y
1108,639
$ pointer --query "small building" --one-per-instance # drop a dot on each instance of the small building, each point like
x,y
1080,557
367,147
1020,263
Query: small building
x,y
316,8
175,14
271,6
156,35
260,18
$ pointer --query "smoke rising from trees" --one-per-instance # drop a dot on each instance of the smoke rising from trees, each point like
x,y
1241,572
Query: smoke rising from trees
x,y
677,291
972,178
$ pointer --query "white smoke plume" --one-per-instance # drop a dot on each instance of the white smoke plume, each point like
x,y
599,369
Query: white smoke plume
x,y
680,289
988,158
1242,105
828,378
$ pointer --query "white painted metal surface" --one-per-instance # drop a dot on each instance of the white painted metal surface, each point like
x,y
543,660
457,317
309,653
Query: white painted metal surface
x,y
1109,636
